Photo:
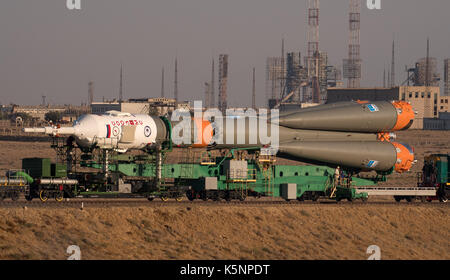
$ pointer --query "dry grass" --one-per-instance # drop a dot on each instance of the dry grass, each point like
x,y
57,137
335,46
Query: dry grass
x,y
221,232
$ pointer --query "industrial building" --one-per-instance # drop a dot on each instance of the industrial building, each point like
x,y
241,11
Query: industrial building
x,y
443,104
425,100
153,106
68,112
441,123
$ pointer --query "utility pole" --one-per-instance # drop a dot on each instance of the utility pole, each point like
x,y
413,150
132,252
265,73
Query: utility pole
x,y
121,84
254,91
393,65
175,91
212,100
162,82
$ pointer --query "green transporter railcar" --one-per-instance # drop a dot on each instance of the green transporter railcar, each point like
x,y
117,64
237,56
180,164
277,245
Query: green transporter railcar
x,y
436,173
229,178
49,180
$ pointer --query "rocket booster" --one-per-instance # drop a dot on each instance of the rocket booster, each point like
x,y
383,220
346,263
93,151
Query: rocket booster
x,y
348,134
381,116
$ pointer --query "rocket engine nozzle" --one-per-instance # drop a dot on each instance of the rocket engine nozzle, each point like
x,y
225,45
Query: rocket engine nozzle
x,y
405,115
405,157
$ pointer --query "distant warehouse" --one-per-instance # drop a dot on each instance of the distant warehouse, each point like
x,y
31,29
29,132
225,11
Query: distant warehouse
x,y
426,101
442,123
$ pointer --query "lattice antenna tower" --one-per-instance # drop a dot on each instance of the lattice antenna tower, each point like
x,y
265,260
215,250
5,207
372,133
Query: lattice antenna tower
x,y
313,49
121,84
352,67
223,79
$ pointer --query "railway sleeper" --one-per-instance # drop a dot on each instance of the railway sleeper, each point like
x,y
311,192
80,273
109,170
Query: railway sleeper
x,y
216,195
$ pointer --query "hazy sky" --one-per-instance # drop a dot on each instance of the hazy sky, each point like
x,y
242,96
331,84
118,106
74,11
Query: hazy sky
x,y
46,49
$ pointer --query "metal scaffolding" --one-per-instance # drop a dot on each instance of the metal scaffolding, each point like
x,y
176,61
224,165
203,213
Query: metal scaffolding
x,y
352,65
223,79
312,60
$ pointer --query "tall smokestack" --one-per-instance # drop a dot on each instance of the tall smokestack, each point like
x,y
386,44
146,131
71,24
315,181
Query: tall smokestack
x,y
90,92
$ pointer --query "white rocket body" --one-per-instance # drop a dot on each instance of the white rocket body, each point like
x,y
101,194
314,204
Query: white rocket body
x,y
113,130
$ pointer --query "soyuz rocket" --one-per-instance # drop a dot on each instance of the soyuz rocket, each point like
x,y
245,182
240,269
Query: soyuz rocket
x,y
348,134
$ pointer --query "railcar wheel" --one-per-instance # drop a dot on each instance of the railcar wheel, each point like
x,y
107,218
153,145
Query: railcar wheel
x,y
179,198
203,196
59,197
15,196
315,197
43,196
397,198
409,199
190,195
164,198
150,198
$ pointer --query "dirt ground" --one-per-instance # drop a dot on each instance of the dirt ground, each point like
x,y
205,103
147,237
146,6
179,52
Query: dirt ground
x,y
238,232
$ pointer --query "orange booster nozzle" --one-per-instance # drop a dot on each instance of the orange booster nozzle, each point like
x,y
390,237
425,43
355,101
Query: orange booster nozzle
x,y
405,115
405,157
203,133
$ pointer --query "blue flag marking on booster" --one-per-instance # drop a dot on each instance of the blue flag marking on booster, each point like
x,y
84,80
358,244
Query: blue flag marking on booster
x,y
373,108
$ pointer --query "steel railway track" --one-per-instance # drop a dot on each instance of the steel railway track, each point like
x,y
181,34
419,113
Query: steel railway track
x,y
90,202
